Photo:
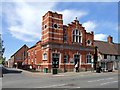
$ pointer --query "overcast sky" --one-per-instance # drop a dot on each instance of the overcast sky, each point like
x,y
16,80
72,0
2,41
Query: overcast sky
x,y
21,21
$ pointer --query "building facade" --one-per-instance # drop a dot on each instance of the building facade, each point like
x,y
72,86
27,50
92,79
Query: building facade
x,y
108,54
65,45
34,56
17,59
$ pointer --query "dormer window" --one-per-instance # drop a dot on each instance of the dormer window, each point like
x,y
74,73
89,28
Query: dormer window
x,y
77,36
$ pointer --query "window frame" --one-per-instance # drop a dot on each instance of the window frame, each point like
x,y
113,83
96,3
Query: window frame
x,y
105,56
116,57
89,43
66,58
89,59
76,36
44,56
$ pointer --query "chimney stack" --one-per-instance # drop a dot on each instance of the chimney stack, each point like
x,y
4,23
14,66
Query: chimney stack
x,y
110,39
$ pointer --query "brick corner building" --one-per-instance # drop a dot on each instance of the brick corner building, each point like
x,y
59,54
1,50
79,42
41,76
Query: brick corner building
x,y
64,45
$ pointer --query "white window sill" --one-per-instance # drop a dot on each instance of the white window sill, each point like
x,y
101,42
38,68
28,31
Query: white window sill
x,y
44,59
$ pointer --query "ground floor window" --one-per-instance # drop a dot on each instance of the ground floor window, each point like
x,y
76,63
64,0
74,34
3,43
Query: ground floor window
x,y
103,64
89,58
65,58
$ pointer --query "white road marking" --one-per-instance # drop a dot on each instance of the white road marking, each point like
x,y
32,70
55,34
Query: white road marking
x,y
53,86
108,82
100,79
57,86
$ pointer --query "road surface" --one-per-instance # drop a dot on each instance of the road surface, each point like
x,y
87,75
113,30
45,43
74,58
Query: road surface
x,y
65,80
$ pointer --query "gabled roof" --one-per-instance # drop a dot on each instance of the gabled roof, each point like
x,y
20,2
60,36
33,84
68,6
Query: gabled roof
x,y
20,49
35,45
107,48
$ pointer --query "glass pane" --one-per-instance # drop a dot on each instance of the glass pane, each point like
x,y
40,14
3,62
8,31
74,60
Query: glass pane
x,y
74,32
76,38
79,33
80,39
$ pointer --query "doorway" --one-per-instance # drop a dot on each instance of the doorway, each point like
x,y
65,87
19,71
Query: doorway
x,y
76,59
55,60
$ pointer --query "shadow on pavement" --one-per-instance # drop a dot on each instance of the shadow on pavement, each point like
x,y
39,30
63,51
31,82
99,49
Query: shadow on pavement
x,y
10,71
4,70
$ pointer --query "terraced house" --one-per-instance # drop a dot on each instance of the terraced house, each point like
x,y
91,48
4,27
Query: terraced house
x,y
62,46
108,54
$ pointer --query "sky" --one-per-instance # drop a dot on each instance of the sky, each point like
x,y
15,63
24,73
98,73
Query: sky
x,y
21,21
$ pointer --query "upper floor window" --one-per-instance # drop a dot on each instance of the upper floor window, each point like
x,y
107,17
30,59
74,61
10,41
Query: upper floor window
x,y
77,37
45,56
105,56
116,57
35,60
89,58
55,26
35,52
28,53
65,38
28,61
32,52
89,42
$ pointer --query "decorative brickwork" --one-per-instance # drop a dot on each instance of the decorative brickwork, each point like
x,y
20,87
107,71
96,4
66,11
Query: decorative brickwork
x,y
66,41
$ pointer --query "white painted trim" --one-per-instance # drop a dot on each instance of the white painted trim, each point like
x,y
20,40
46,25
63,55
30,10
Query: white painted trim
x,y
51,18
90,42
43,56
52,28
77,35
47,23
53,38
91,58
51,33
46,64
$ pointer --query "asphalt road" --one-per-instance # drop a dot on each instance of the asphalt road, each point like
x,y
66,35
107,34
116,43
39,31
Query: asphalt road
x,y
67,80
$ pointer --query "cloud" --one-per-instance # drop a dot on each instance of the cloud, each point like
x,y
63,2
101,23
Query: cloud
x,y
70,15
100,37
90,26
0,18
24,19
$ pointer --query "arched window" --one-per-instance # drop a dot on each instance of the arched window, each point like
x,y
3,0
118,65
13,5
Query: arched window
x,y
77,36
44,56
89,58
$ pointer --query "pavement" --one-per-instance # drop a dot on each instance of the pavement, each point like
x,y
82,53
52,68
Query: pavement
x,y
62,74
41,74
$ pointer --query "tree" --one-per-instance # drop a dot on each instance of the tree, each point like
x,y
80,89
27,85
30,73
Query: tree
x,y
2,49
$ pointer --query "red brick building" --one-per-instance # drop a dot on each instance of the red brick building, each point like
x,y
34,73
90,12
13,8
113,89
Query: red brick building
x,y
65,45
34,55
18,57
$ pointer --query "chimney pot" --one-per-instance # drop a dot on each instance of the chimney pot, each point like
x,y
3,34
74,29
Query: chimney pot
x,y
110,39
